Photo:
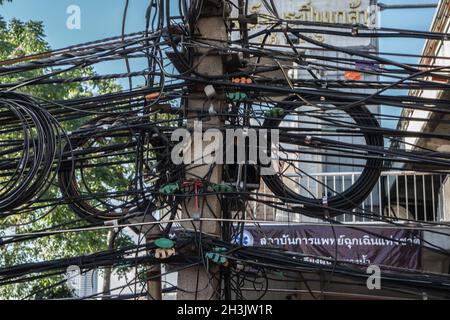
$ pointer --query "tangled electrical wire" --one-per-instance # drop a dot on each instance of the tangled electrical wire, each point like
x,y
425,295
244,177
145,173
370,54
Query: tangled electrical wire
x,y
108,157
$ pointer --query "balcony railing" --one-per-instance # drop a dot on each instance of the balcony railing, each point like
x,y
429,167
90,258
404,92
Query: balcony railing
x,y
402,194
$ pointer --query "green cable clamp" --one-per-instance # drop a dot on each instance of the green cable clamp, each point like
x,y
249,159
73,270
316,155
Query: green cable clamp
x,y
222,188
274,113
236,96
164,243
279,273
216,256
170,188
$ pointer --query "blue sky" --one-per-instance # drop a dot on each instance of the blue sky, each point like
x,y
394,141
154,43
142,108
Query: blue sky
x,y
413,19
102,18
99,19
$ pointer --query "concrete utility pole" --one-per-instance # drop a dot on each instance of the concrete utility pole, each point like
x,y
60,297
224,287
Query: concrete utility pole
x,y
154,279
151,233
198,283
108,270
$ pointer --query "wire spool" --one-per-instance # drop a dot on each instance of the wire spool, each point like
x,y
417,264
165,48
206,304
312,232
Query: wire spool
x,y
354,195
30,140
106,168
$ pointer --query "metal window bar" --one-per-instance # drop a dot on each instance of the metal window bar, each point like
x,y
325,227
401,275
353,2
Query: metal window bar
x,y
424,199
433,199
415,198
388,186
398,194
406,193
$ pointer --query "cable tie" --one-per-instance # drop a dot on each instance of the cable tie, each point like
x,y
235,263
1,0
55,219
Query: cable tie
x,y
210,91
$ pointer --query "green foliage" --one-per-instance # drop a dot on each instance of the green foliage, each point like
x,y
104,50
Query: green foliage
x,y
18,39
58,292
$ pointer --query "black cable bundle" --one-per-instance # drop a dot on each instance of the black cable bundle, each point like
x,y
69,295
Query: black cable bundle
x,y
352,196
28,162
107,142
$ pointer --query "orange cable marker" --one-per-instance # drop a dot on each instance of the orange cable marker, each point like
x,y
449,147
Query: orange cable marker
x,y
26,58
242,80
152,96
353,75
